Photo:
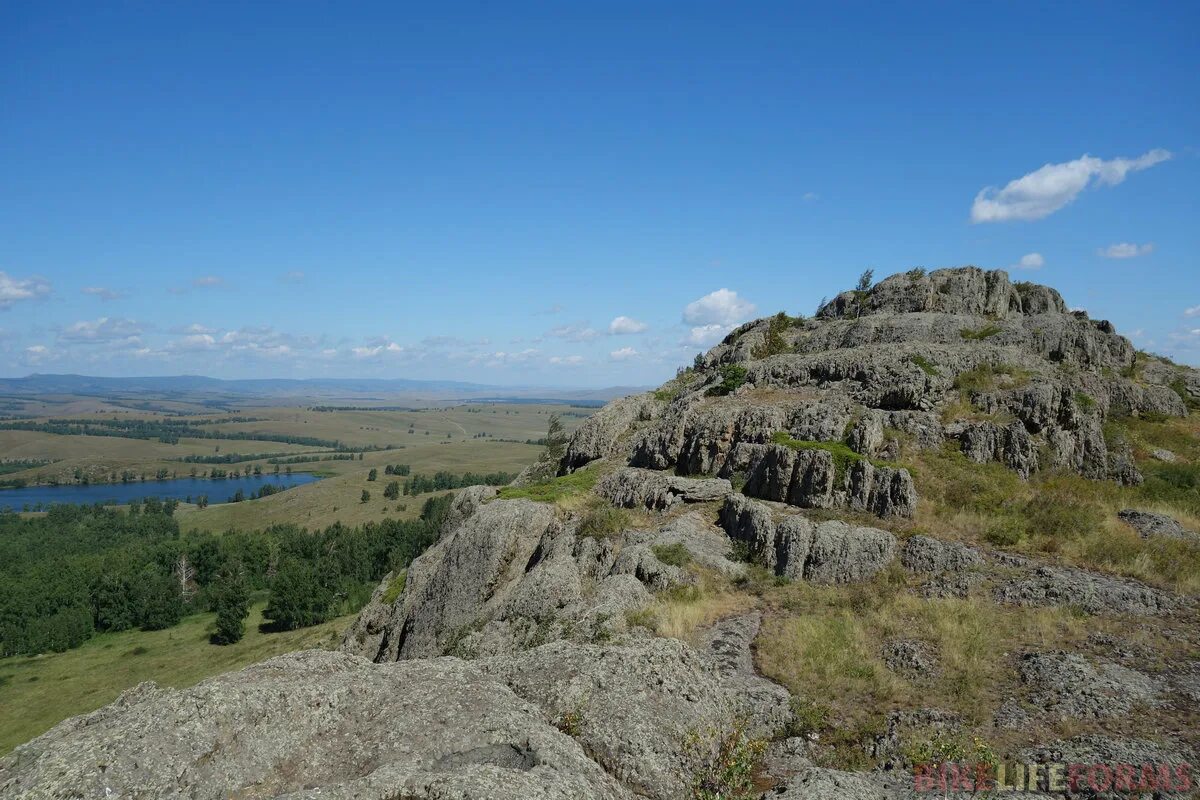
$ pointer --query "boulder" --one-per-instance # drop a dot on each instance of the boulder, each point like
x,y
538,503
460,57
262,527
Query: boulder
x,y
1092,593
1066,685
631,487
925,554
1148,523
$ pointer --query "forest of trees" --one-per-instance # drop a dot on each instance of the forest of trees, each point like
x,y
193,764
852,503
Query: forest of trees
x,y
165,430
420,484
80,570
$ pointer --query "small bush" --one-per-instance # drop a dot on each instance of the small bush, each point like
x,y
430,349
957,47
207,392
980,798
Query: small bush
x,y
985,377
733,376
1086,402
675,555
730,774
642,618
979,334
773,341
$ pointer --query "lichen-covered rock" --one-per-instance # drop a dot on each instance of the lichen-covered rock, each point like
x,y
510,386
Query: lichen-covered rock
x,y
1011,445
1095,594
601,434
314,724
1066,685
630,487
798,548
1148,523
910,657
926,554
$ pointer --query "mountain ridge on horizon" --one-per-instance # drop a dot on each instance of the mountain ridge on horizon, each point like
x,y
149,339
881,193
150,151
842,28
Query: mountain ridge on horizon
x,y
72,383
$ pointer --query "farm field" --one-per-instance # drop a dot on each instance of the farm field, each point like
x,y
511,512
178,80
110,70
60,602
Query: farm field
x,y
36,692
339,443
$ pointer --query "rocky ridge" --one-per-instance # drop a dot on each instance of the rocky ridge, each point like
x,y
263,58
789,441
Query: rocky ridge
x,y
515,662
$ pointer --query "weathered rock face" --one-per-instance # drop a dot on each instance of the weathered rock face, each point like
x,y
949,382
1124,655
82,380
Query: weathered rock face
x,y
798,548
891,362
657,491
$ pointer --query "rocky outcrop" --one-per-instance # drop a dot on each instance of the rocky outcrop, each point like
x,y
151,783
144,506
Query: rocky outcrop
x,y
314,724
810,478
886,364
1148,524
798,548
925,554
1066,685
642,488
1087,591
601,434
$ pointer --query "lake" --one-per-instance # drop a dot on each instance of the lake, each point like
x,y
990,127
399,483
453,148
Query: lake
x,y
218,490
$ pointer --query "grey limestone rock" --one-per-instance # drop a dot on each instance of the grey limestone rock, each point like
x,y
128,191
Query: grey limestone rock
x,y
313,724
631,487
1148,523
1090,592
1067,685
926,554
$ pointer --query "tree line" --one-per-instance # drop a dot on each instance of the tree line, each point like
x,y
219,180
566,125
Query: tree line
x,y
80,570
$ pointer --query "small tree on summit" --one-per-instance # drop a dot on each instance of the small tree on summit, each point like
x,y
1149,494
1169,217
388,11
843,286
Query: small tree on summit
x,y
863,289
555,449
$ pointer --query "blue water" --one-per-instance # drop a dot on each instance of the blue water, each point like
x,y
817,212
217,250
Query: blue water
x,y
218,490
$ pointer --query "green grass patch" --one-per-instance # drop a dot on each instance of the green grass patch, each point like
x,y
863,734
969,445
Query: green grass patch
x,y
843,456
602,520
1086,402
985,377
675,555
979,334
927,366
395,588
37,692
554,489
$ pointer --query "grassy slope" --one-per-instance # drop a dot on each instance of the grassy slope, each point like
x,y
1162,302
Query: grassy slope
x,y
337,498
37,692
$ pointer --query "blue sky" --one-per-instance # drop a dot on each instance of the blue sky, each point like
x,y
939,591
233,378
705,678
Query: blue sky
x,y
569,193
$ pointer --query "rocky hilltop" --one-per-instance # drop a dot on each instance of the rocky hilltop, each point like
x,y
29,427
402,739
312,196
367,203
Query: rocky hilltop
x,y
831,550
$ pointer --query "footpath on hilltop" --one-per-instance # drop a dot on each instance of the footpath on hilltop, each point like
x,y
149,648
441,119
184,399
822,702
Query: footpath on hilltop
x,y
943,520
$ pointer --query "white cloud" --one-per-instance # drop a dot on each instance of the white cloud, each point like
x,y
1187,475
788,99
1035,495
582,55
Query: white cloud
x,y
1053,186
195,341
295,276
207,281
103,292
579,332
626,325
104,329
38,354
195,327
1126,250
376,350
1194,311
707,335
1030,261
15,289
566,361
721,307
624,354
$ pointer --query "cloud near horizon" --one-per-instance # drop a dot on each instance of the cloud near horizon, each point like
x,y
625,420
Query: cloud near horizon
x,y
1054,186
13,290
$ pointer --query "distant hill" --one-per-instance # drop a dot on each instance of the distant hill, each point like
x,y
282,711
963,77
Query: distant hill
x,y
50,384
